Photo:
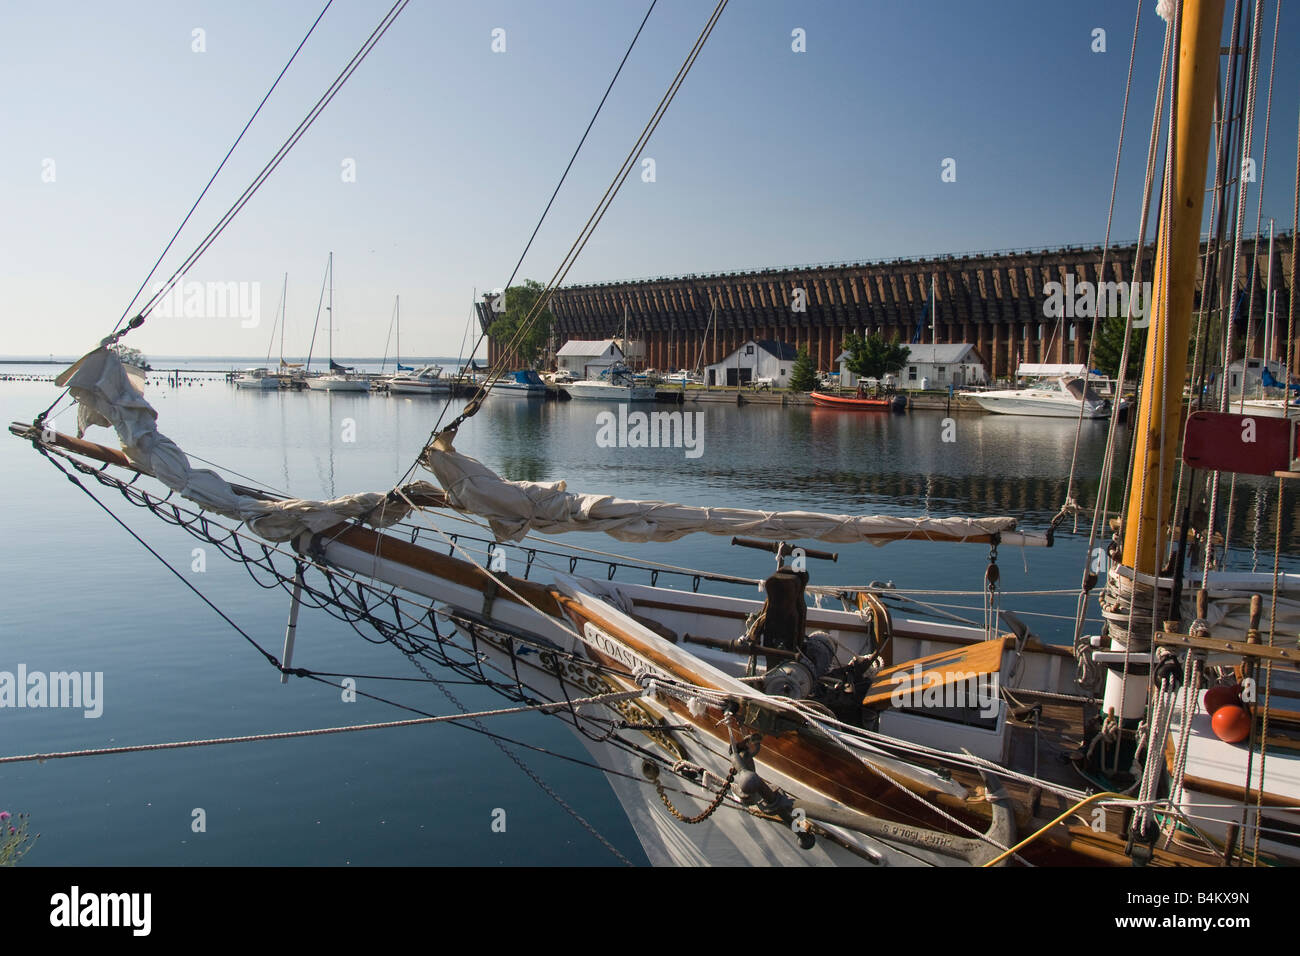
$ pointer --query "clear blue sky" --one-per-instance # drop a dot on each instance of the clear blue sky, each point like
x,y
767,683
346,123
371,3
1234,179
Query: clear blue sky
x,y
767,157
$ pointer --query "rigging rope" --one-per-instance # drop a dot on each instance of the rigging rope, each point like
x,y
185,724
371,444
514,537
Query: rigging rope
x,y
528,245
206,187
587,230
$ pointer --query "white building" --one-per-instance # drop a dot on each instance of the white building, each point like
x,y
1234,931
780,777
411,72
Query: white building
x,y
754,359
586,359
930,366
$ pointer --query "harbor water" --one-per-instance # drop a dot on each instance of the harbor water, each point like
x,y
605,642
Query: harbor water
x,y
83,595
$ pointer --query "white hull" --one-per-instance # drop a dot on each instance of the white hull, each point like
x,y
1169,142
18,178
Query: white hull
x,y
730,836
1268,408
512,389
419,388
258,384
1043,404
330,383
605,392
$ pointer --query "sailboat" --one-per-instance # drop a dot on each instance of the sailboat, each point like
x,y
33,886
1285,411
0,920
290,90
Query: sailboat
x,y
338,378
263,378
776,729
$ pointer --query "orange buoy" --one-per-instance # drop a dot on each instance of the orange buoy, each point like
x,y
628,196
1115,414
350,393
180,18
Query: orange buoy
x,y
1231,723
1221,696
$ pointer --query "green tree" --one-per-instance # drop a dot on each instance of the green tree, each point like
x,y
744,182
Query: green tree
x,y
508,329
1110,346
873,357
803,376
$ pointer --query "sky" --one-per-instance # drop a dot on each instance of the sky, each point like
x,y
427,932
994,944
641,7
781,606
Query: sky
x,y
426,174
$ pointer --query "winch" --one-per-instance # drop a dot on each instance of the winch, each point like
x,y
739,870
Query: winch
x,y
798,678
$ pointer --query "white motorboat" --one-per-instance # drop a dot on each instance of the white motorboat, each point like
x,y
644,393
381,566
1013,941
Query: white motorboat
x,y
257,378
1060,399
426,380
617,385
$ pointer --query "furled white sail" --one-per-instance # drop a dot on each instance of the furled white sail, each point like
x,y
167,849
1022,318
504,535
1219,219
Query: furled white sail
x,y
111,394
513,508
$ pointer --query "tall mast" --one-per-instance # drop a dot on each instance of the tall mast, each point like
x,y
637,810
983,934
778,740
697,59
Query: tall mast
x,y
1157,428
330,309
1164,376
1268,298
284,315
397,319
934,323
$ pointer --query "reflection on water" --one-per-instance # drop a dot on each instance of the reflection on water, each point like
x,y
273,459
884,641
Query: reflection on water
x,y
173,670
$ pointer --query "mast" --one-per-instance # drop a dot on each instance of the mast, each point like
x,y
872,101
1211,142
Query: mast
x,y
330,309
1157,428
397,319
284,315
1268,298
1164,376
934,324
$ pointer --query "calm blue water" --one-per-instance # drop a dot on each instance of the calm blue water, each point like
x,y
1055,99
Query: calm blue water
x,y
82,595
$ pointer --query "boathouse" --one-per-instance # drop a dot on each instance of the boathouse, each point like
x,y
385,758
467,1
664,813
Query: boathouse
x,y
930,366
586,358
761,358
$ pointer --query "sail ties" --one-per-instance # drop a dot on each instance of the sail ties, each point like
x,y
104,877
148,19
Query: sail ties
x,y
110,394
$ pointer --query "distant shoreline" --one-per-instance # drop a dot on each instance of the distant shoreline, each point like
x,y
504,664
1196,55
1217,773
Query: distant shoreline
x,y
242,360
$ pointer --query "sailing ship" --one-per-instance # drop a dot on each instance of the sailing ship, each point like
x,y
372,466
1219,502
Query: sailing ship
x,y
782,731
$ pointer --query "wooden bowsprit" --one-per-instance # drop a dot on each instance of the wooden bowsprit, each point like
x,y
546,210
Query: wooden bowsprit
x,y
1241,444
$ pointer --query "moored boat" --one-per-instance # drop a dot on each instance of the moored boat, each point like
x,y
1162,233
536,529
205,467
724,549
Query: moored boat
x,y
1067,397
524,383
886,403
257,378
426,380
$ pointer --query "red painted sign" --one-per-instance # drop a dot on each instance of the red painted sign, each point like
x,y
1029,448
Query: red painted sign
x,y
1242,444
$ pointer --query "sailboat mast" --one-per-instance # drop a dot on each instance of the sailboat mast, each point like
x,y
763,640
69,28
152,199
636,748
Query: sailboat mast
x,y
330,309
934,323
1269,319
284,315
397,320
1156,438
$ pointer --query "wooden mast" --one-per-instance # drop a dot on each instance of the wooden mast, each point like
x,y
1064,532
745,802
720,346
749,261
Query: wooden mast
x,y
1159,416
